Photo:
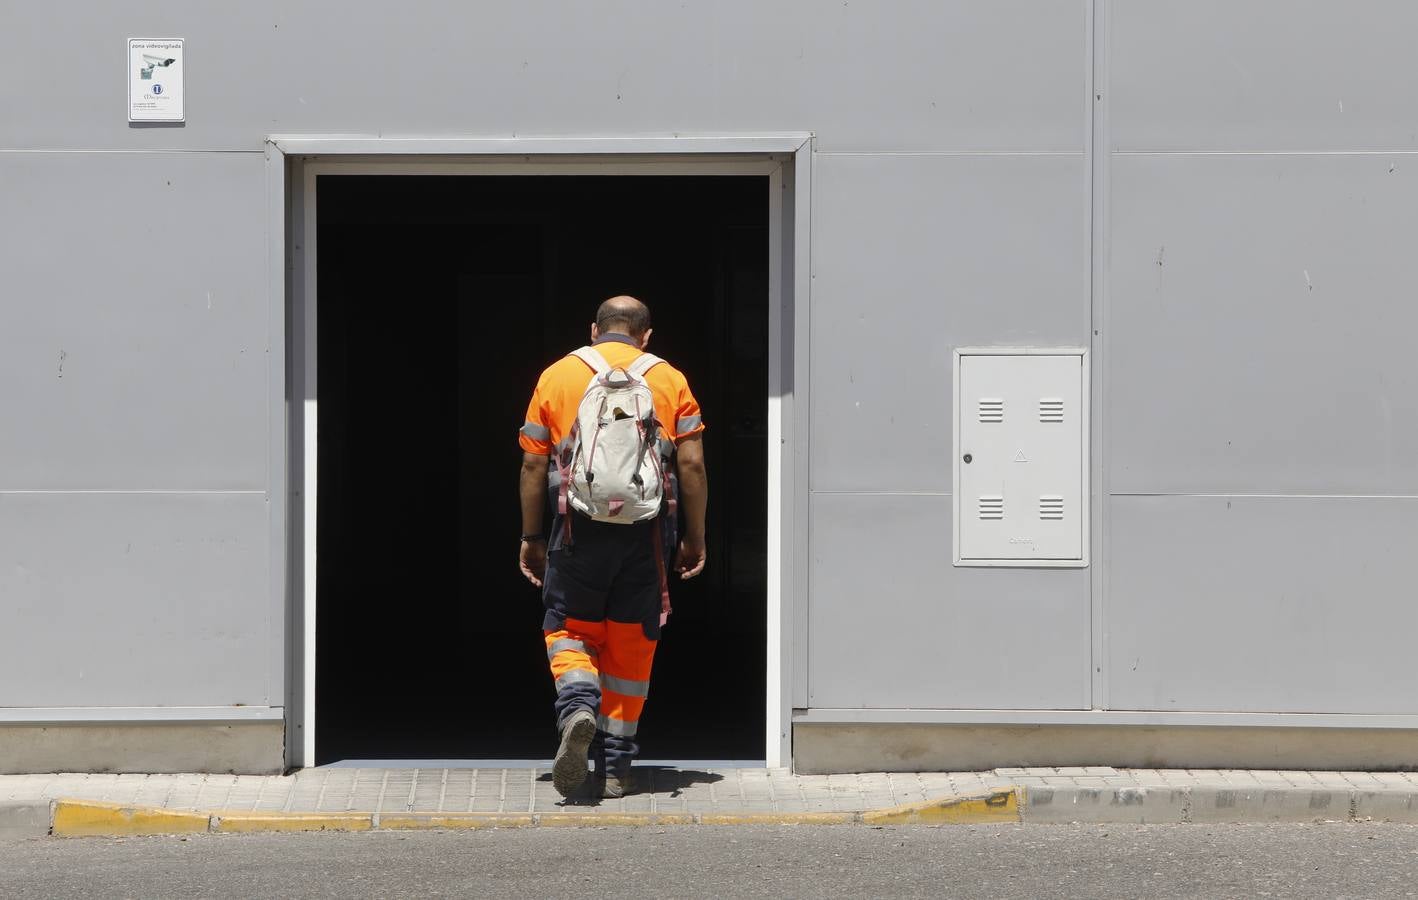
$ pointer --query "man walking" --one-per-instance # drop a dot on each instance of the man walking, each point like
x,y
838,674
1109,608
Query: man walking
x,y
614,412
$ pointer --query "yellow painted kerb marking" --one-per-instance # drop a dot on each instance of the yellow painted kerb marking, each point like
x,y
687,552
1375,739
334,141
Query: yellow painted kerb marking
x,y
673,819
805,818
248,822
73,818
453,822
1000,806
591,820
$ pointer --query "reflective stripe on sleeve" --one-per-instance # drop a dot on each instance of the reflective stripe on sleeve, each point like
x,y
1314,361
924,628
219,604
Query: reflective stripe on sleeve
x,y
687,424
536,432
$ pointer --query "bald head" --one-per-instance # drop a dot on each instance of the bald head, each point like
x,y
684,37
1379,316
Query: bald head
x,y
623,315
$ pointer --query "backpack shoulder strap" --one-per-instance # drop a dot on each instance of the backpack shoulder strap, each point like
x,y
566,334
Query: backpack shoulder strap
x,y
644,363
593,358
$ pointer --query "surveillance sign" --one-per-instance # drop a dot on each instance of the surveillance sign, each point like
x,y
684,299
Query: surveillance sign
x,y
155,81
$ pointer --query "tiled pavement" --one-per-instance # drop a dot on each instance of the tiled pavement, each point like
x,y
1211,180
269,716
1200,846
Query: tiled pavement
x,y
502,790
1089,794
1081,794
1236,779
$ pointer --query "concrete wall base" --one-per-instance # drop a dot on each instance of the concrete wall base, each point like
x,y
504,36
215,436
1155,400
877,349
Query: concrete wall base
x,y
246,748
821,749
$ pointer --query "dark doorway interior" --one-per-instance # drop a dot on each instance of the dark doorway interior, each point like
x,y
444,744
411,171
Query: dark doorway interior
x,y
440,300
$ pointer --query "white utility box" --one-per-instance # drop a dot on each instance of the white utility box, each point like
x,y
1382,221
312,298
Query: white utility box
x,y
1021,457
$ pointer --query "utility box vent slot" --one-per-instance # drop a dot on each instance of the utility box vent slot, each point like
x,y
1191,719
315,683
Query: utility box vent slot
x,y
1035,460
992,507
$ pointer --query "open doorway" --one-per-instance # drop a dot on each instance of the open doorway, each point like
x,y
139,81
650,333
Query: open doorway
x,y
440,299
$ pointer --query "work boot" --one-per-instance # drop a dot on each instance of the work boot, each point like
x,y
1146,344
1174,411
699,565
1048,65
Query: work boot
x,y
568,770
617,786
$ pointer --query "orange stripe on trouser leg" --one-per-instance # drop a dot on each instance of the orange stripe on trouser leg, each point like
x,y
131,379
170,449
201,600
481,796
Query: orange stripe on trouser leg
x,y
621,707
575,648
625,671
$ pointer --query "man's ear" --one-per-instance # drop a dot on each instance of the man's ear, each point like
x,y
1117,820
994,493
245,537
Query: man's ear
x,y
595,333
645,338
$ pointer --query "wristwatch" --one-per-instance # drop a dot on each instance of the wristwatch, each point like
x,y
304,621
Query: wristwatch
x,y
532,538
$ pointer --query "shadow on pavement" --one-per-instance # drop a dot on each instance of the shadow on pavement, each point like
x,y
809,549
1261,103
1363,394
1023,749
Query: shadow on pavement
x,y
659,780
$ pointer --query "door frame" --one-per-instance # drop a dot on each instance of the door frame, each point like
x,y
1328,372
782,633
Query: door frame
x,y
293,164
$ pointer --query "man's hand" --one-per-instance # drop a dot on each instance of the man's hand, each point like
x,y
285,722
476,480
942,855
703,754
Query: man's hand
x,y
689,561
533,561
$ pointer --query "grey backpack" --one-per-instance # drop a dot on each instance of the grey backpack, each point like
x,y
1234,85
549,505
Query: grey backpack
x,y
615,472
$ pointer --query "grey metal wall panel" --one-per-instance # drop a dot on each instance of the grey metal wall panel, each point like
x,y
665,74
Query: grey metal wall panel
x,y
914,255
893,624
912,75
1262,604
1258,315
1260,325
1262,75
133,600
134,322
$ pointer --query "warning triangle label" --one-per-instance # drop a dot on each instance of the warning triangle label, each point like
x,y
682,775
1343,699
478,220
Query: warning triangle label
x,y
1020,457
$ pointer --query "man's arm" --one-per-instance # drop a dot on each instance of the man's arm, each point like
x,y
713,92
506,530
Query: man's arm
x,y
694,499
532,558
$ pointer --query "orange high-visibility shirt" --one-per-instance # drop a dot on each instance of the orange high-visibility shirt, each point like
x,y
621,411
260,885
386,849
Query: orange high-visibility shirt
x,y
552,412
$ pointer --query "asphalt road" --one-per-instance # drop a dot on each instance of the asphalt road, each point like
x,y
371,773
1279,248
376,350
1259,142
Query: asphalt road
x,y
805,861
